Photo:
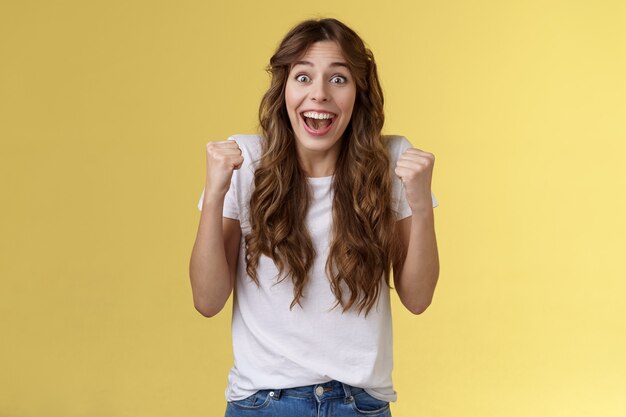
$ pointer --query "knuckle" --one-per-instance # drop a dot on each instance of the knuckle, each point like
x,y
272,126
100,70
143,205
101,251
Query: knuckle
x,y
424,163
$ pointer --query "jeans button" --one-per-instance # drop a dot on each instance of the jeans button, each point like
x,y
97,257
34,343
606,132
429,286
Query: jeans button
x,y
319,391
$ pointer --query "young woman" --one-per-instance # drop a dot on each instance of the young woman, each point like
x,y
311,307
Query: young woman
x,y
305,222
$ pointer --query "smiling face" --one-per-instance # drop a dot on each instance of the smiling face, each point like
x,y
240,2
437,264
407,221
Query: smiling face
x,y
319,96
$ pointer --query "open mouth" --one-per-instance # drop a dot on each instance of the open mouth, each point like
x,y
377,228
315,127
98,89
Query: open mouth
x,y
318,123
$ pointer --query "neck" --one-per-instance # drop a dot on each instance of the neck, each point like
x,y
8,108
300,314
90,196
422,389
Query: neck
x,y
317,167
318,164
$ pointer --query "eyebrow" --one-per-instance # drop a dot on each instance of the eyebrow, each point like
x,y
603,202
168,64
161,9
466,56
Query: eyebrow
x,y
310,64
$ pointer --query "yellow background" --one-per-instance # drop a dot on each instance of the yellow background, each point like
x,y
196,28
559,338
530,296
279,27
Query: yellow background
x,y
105,110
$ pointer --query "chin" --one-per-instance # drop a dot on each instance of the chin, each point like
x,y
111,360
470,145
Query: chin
x,y
318,144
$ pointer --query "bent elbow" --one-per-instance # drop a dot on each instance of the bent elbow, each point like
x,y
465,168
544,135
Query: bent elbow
x,y
419,308
207,311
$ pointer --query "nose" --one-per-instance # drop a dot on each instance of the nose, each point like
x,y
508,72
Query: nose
x,y
319,92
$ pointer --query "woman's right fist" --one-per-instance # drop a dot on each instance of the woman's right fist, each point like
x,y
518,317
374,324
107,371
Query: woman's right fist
x,y
222,158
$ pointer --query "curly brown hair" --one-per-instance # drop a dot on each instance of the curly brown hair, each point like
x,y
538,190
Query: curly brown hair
x,y
364,243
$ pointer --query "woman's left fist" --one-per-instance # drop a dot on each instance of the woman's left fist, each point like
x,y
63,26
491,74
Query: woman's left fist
x,y
415,169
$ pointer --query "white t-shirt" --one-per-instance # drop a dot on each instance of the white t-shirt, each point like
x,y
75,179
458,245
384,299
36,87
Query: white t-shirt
x,y
277,348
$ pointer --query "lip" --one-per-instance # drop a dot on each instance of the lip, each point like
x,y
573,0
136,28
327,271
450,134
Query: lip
x,y
317,133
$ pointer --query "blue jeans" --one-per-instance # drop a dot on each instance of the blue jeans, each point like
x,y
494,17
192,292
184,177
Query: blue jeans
x,y
330,399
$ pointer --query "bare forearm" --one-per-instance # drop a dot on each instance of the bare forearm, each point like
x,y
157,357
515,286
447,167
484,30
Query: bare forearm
x,y
417,276
208,268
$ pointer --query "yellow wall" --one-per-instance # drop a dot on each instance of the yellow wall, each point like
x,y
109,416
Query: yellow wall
x,y
105,108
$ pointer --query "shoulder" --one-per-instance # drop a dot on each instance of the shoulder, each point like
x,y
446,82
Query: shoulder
x,y
251,147
249,143
396,145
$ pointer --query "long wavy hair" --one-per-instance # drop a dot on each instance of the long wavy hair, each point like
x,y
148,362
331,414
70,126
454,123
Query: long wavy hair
x,y
364,244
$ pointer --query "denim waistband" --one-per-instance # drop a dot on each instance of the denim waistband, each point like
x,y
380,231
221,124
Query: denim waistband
x,y
326,390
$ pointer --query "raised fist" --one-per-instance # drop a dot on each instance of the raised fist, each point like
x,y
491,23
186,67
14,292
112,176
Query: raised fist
x,y
222,158
415,169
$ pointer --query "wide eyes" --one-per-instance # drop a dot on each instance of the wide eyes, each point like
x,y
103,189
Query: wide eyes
x,y
337,79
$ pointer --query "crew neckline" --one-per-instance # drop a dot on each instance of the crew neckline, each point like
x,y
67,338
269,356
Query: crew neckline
x,y
320,180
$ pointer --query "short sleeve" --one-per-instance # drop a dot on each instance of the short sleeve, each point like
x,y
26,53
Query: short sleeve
x,y
435,202
200,202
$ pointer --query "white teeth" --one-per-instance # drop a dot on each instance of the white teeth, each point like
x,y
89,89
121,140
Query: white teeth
x,y
315,115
